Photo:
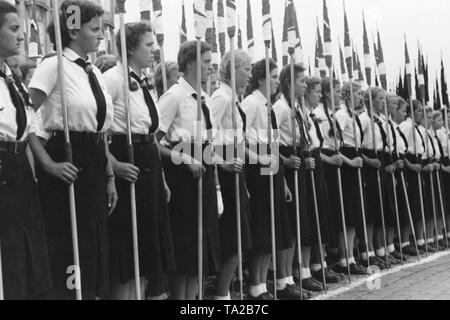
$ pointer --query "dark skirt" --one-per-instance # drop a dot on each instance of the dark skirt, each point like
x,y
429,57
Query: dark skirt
x,y
260,218
332,183
445,180
183,210
350,186
305,223
92,219
414,191
26,270
228,221
153,221
402,200
429,193
321,198
372,192
389,193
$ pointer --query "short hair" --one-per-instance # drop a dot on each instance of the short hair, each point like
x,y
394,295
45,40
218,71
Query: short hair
x,y
437,114
170,67
133,33
88,11
240,57
312,82
259,74
188,53
401,102
326,88
416,105
6,8
371,91
285,79
106,62
345,92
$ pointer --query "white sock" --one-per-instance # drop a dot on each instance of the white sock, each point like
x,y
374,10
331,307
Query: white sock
x,y
381,252
306,273
263,287
448,235
352,260
343,262
281,284
290,281
325,266
316,267
405,244
420,242
391,248
372,254
430,241
227,298
255,291
441,237
364,256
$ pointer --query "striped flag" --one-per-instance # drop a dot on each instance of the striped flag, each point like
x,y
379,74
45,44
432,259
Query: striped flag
x,y
381,65
328,50
274,48
444,87
200,18
231,18
358,63
400,88
421,77
215,50
408,70
285,39
343,68
438,103
250,37
348,52
221,27
320,54
291,29
239,35
34,46
426,79
145,10
158,23
210,21
183,29
298,47
267,23
417,86
367,60
355,65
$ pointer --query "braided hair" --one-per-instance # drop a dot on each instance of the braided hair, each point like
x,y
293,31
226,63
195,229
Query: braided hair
x,y
259,74
326,90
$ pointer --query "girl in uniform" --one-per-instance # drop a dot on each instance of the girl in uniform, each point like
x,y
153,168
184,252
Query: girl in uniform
x,y
152,194
24,254
351,136
90,114
333,159
263,155
177,109
230,164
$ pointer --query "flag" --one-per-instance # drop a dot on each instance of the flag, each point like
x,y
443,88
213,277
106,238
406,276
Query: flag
x,y
366,49
381,65
408,72
231,18
417,85
274,48
34,46
298,46
183,29
221,27
250,37
444,87
348,52
358,63
343,69
421,77
267,23
426,79
328,50
320,54
215,50
400,89
158,23
239,35
210,21
285,39
438,103
145,10
200,19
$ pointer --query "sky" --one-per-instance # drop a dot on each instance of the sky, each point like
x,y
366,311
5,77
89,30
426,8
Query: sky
x,y
426,21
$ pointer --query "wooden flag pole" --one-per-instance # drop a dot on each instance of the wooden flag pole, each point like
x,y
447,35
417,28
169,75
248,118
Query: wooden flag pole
x,y
339,174
67,147
380,193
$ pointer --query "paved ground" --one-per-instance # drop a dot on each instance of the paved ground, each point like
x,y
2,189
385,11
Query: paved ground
x,y
428,280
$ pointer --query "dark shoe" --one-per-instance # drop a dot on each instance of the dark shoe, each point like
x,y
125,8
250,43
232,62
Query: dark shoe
x,y
306,294
396,254
430,249
374,261
382,261
330,276
411,250
357,270
312,285
443,244
289,293
264,296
